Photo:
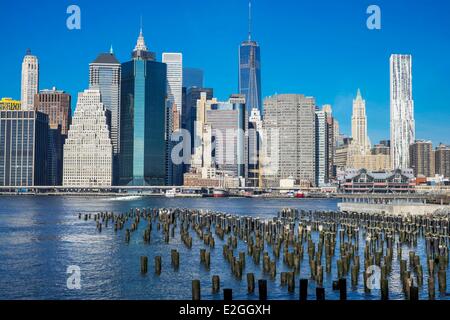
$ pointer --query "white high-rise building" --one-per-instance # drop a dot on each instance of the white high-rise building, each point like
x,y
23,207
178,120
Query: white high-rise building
x,y
174,62
402,110
30,80
360,142
88,150
203,135
289,146
321,148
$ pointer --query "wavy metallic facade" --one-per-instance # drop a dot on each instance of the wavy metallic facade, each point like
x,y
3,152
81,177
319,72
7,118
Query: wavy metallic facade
x,y
402,110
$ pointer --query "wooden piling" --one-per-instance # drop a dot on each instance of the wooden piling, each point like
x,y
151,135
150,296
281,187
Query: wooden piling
x,y
342,283
215,284
303,289
384,289
227,294
250,282
196,290
144,264
431,288
291,281
442,281
158,265
320,294
262,288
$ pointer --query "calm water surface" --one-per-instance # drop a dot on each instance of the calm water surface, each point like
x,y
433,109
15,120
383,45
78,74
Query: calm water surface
x,y
41,236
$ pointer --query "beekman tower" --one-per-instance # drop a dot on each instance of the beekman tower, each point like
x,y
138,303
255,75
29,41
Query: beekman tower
x,y
402,110
250,69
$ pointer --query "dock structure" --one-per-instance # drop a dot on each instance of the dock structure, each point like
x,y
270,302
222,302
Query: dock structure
x,y
432,197
357,250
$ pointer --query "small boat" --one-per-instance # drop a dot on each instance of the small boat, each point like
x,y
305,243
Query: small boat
x,y
171,193
299,195
219,193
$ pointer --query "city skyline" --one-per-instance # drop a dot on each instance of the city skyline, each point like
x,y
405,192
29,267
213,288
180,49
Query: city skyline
x,y
359,60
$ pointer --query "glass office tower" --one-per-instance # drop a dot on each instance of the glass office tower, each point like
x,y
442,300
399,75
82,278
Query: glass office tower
x,y
23,148
143,117
250,70
250,74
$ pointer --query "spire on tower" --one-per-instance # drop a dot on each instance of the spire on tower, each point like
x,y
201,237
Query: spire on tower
x,y
140,50
111,51
358,94
249,20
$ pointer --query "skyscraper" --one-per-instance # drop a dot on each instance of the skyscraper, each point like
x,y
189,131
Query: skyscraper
x,y
88,150
421,155
254,148
104,75
192,77
189,113
23,148
321,154
57,105
331,140
289,142
402,110
250,70
360,142
143,119
442,160
174,62
228,122
30,80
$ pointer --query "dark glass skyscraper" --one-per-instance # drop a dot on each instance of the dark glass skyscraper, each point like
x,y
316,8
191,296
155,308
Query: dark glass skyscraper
x,y
23,148
192,77
250,71
143,116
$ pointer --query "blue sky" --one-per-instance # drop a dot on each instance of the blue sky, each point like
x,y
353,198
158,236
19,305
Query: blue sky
x,y
319,48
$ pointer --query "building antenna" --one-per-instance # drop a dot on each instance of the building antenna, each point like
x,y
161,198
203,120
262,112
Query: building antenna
x,y
141,25
249,20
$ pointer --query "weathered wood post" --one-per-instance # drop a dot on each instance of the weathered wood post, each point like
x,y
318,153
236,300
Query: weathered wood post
x,y
202,255
207,259
250,282
195,289
215,284
291,281
442,279
384,289
303,289
227,294
431,288
144,264
158,265
342,283
262,287
320,294
414,293
175,255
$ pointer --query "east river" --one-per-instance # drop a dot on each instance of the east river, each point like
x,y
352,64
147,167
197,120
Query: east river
x,y
41,236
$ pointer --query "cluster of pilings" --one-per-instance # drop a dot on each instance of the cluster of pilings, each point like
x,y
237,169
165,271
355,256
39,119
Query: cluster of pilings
x,y
359,244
